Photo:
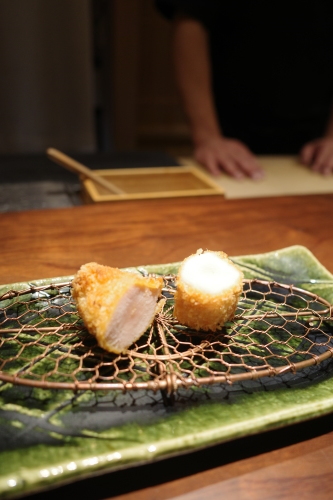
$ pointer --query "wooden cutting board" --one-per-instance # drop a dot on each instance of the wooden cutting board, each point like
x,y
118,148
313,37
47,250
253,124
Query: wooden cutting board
x,y
284,175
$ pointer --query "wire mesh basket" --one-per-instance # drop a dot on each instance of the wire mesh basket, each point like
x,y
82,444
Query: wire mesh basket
x,y
276,329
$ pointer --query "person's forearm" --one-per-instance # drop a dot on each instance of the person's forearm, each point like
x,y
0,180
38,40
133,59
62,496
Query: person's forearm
x,y
193,76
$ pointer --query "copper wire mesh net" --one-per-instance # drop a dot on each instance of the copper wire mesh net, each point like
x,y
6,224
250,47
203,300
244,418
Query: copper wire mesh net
x,y
276,329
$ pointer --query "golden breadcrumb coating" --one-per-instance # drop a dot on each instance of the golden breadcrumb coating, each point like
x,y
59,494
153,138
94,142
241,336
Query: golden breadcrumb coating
x,y
199,306
116,306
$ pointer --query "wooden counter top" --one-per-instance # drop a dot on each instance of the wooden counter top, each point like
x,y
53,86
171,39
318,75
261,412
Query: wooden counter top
x,y
47,243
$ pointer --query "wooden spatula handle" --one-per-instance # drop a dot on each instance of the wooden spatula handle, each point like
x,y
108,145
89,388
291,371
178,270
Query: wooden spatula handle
x,y
76,167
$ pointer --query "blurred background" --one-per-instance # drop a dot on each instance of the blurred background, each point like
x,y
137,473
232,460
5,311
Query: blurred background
x,y
87,76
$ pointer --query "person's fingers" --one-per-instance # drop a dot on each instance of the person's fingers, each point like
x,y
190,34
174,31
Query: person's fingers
x,y
251,168
319,162
328,168
209,162
235,167
213,167
308,152
323,163
214,163
246,160
230,156
231,167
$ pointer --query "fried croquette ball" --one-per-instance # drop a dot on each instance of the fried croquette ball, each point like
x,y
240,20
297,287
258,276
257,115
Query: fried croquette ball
x,y
208,289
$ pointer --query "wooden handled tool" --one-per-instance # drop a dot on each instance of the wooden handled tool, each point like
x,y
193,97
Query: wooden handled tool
x,y
76,167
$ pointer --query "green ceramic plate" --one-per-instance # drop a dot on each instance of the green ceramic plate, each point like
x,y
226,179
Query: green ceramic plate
x,y
49,437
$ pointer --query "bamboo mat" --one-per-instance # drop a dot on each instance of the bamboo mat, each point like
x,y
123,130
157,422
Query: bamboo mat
x,y
144,183
284,175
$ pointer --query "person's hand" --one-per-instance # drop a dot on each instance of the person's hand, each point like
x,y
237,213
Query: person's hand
x,y
318,154
230,155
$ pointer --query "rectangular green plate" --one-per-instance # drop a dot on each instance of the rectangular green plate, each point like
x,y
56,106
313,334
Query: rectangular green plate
x,y
50,437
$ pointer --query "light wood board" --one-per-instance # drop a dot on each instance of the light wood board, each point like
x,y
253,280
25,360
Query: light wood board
x,y
284,175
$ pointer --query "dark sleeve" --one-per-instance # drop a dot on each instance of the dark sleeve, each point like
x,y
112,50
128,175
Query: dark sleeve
x,y
198,9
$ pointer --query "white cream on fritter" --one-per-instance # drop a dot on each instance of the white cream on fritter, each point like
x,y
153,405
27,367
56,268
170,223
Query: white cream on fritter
x,y
208,273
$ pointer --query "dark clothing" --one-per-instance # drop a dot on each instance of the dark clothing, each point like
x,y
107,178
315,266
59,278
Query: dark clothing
x,y
272,68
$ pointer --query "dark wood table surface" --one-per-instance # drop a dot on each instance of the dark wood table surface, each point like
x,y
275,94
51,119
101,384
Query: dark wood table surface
x,y
293,462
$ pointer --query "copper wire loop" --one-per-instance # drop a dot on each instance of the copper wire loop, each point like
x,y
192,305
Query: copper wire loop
x,y
277,329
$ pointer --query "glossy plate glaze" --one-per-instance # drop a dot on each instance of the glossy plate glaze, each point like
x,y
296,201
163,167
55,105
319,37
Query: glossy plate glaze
x,y
49,437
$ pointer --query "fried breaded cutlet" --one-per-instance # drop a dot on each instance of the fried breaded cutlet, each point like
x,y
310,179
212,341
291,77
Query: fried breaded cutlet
x,y
208,289
116,306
